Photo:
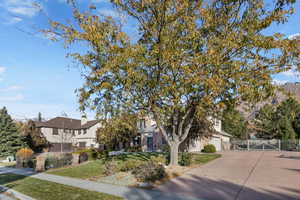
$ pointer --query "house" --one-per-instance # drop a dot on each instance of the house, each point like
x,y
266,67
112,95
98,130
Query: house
x,y
64,133
153,140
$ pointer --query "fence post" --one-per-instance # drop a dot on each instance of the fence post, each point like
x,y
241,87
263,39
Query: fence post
x,y
248,145
279,145
263,146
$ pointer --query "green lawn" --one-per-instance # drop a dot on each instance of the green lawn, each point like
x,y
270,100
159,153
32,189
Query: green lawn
x,y
85,170
198,159
94,169
45,190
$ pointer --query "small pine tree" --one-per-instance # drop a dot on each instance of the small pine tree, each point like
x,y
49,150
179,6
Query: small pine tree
x,y
10,138
40,117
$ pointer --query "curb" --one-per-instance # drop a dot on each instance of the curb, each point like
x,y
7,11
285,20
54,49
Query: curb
x,y
16,194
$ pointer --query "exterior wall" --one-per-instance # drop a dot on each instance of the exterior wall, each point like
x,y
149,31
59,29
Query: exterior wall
x,y
60,138
89,138
150,130
198,145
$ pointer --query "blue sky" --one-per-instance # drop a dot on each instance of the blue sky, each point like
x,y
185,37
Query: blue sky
x,y
35,75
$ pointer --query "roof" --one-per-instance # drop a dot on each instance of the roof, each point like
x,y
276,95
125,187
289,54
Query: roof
x,y
224,133
66,123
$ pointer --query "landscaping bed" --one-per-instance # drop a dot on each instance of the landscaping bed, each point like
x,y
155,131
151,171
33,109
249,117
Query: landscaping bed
x,y
134,168
45,190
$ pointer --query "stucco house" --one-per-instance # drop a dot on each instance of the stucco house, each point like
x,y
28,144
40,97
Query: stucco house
x,y
64,133
153,140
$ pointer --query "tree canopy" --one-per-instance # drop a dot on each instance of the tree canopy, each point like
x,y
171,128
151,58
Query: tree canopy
x,y
34,137
281,122
234,123
121,129
188,59
10,138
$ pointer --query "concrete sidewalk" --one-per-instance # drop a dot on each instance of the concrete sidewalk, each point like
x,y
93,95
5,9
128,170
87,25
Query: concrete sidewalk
x,y
129,193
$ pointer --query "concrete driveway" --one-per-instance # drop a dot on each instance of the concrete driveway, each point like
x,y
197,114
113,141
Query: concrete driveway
x,y
242,176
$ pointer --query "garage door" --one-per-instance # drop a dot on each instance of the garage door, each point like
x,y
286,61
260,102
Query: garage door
x,y
217,143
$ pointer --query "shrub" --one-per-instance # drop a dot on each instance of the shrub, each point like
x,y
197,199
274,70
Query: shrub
x,y
31,163
129,165
103,154
83,157
209,148
134,149
24,153
110,167
25,157
160,159
165,148
186,159
54,161
149,172
90,153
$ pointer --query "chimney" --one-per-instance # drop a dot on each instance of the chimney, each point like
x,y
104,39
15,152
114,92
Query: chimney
x,y
83,120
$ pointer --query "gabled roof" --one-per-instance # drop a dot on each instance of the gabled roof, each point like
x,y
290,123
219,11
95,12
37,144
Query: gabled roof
x,y
66,123
224,133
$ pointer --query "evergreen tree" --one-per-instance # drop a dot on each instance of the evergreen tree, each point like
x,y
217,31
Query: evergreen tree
x,y
40,117
33,137
281,122
10,138
234,123
296,125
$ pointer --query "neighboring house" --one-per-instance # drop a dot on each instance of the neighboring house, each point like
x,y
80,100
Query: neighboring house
x,y
64,133
153,140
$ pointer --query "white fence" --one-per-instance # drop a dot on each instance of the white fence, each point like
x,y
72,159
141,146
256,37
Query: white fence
x,y
265,145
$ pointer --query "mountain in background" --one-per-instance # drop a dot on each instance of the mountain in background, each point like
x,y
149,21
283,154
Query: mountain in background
x,y
288,88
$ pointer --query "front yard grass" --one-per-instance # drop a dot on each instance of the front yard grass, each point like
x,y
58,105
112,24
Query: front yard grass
x,y
86,170
93,170
45,190
199,159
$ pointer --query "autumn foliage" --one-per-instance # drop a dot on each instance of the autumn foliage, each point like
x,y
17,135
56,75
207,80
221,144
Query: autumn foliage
x,y
189,59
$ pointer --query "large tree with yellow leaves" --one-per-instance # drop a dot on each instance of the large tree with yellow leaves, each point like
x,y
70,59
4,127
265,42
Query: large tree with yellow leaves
x,y
191,58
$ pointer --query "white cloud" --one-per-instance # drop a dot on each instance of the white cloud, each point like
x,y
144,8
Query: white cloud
x,y
26,8
11,20
107,12
93,1
2,70
100,1
291,73
17,97
11,88
294,36
279,82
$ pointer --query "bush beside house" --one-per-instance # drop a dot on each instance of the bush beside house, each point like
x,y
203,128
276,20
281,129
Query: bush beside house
x,y
209,148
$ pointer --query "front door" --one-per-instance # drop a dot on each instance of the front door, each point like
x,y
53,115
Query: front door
x,y
149,143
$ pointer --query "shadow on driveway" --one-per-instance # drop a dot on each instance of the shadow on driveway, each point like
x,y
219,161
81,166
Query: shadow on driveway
x,y
208,189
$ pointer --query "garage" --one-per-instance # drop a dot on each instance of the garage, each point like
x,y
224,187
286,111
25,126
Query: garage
x,y
216,141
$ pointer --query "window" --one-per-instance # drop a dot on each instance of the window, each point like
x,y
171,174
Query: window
x,y
82,144
217,122
73,132
84,131
142,123
79,132
54,131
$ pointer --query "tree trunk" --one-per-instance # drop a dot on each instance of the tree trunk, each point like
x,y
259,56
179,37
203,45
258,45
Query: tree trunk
x,y
174,153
